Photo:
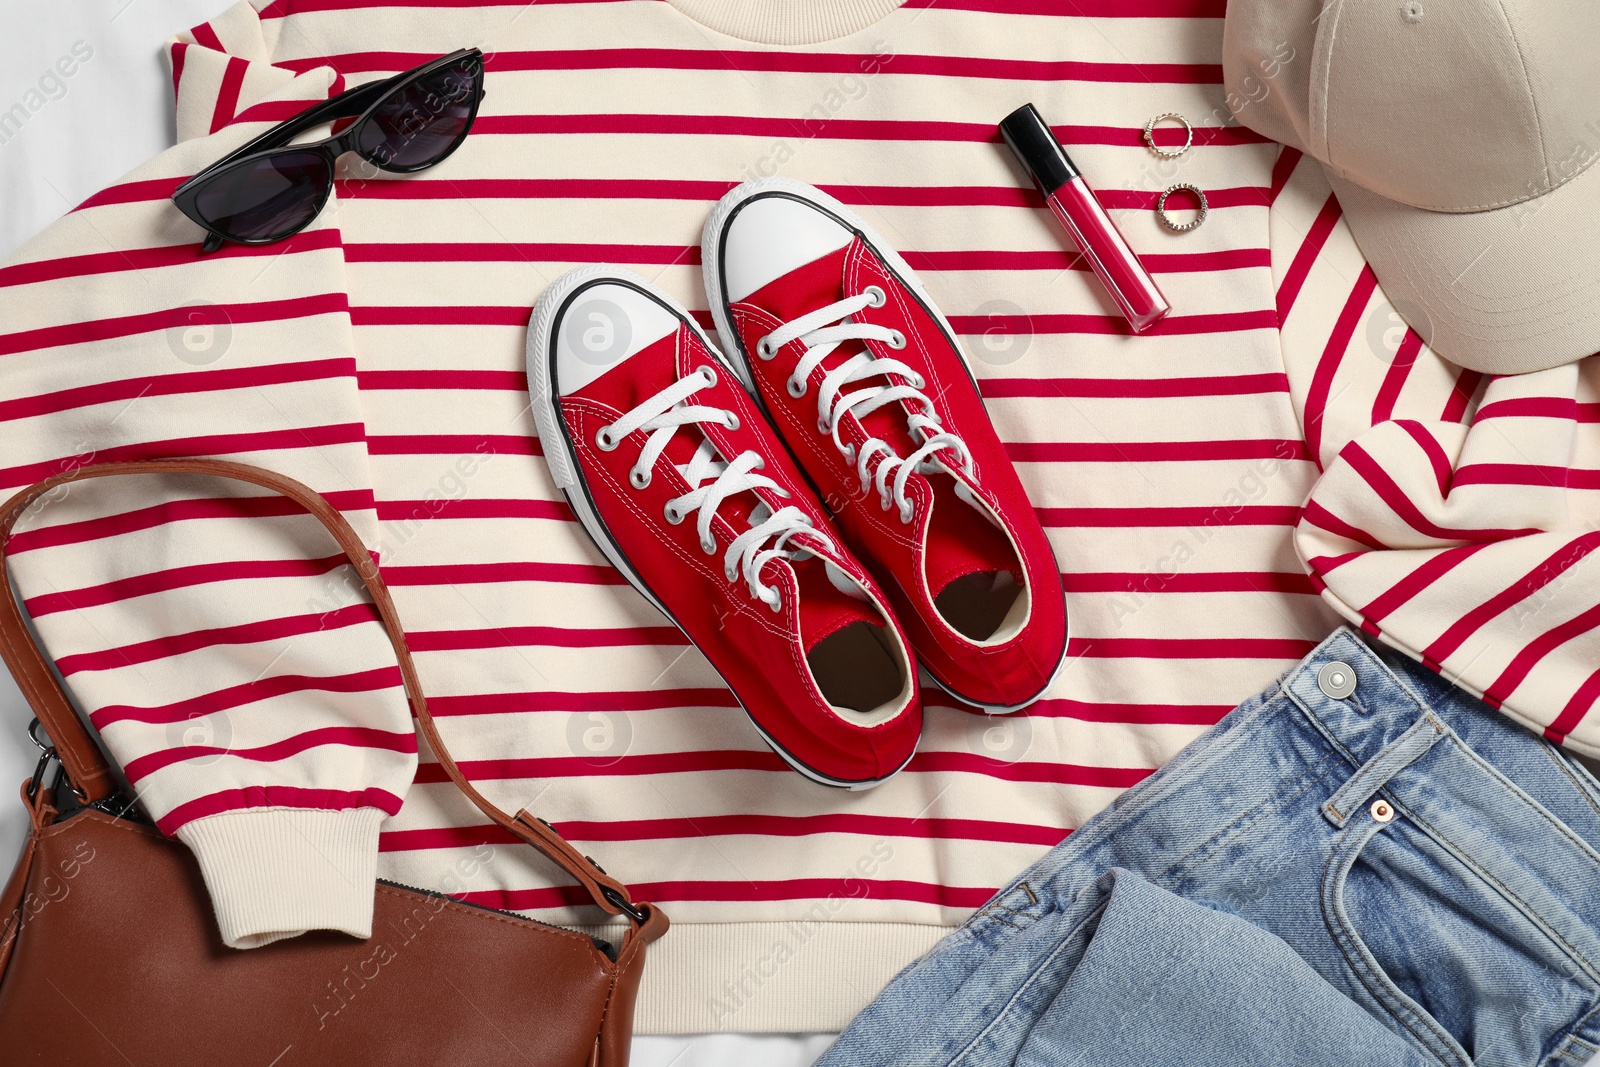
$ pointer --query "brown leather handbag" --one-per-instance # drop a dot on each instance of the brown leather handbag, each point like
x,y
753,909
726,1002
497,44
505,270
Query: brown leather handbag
x,y
110,954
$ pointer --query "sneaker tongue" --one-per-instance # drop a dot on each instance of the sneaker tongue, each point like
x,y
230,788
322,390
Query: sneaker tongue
x,y
825,609
816,285
640,377
961,541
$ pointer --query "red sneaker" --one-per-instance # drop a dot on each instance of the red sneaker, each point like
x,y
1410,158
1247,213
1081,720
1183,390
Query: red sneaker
x,y
867,385
671,468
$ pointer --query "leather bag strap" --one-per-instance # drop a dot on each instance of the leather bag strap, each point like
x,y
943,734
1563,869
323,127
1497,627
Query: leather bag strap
x,y
86,766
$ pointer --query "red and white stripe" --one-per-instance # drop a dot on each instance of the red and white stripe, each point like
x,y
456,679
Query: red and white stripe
x,y
378,357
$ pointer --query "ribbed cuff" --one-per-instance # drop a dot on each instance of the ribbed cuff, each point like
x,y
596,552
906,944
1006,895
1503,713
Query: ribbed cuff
x,y
277,872
786,21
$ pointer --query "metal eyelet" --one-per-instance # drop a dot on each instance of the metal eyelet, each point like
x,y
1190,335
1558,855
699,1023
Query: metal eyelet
x,y
732,423
897,341
879,298
776,603
639,479
709,374
672,514
796,388
918,381
906,514
849,453
604,441
824,427
731,574
764,349
709,547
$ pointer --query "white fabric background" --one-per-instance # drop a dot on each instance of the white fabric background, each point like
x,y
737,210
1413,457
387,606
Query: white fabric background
x,y
113,113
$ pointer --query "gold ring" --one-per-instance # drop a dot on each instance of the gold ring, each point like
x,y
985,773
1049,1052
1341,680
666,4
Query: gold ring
x,y
1169,153
1181,227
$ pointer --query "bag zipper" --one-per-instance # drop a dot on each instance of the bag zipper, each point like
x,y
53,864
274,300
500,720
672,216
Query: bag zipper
x,y
603,945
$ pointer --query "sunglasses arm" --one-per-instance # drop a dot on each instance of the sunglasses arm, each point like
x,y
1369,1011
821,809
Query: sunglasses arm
x,y
347,105
350,104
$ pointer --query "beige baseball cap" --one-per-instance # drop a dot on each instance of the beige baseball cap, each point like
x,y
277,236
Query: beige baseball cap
x,y
1460,137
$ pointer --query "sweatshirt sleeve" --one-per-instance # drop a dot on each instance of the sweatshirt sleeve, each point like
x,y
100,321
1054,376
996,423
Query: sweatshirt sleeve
x,y
227,656
1457,513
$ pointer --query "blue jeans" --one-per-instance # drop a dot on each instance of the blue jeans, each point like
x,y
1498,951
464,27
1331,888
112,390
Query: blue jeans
x,y
1394,874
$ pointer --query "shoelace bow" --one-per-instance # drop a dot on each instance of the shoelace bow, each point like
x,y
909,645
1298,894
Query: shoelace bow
x,y
822,331
662,415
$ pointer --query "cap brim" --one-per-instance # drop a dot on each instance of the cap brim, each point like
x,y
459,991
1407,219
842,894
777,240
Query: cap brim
x,y
1507,291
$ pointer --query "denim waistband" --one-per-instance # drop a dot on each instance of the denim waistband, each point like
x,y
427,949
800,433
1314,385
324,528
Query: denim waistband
x,y
1292,744
1374,726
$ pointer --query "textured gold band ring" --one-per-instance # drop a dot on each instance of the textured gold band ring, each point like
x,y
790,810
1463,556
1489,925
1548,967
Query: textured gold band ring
x,y
1181,227
1169,153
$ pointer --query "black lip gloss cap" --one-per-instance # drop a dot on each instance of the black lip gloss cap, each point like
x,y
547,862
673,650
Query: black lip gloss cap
x,y
1037,148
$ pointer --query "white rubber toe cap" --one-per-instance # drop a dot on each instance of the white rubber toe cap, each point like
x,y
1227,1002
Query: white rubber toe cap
x,y
604,325
771,236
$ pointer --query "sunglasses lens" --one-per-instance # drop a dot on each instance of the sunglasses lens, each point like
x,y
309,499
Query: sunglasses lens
x,y
422,122
270,198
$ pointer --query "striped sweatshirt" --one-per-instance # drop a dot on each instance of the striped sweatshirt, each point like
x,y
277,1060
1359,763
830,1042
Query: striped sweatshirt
x,y
1279,452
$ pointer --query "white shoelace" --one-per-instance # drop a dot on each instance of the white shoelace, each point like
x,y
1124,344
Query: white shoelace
x,y
822,331
662,415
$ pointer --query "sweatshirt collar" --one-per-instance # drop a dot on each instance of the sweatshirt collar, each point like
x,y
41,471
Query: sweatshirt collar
x,y
786,22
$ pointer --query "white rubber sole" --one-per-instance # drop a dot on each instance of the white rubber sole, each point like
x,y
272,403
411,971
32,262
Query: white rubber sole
x,y
563,463
1009,709
711,270
818,776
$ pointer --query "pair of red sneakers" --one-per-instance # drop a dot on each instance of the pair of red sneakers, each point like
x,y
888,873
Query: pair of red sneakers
x,y
819,510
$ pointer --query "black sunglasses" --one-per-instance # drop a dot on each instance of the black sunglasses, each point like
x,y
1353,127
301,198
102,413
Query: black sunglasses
x,y
270,189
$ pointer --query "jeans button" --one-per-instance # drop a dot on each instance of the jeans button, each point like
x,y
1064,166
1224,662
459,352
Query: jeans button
x,y
1382,811
1336,680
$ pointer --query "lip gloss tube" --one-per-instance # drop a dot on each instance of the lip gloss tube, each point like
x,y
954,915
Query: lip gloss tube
x,y
1074,205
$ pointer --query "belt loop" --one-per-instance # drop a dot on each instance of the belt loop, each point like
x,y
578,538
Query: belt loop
x,y
1376,772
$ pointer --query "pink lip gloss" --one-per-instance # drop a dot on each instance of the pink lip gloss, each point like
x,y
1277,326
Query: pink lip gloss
x,y
1091,229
